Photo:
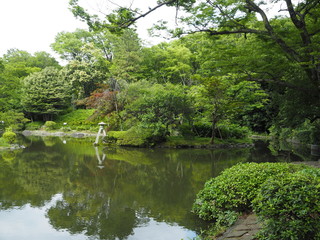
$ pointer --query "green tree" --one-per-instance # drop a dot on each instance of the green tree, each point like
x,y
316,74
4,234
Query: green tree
x,y
295,36
168,62
126,57
69,45
43,60
160,107
83,77
45,94
227,98
16,65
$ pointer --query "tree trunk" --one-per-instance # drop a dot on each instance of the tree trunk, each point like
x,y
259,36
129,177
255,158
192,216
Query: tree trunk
x,y
213,128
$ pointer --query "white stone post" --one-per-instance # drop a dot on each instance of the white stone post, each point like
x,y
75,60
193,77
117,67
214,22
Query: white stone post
x,y
101,132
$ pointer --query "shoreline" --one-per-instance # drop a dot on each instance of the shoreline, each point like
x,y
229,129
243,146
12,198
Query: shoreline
x,y
43,133
76,134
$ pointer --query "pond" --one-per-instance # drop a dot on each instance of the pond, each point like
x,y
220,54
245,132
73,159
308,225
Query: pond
x,y
67,189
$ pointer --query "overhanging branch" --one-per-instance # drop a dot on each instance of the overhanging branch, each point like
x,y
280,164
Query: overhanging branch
x,y
214,32
133,20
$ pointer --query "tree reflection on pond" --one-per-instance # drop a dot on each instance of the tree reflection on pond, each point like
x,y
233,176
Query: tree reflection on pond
x,y
112,193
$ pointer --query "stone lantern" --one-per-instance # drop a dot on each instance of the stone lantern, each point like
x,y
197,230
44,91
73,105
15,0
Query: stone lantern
x,y
101,132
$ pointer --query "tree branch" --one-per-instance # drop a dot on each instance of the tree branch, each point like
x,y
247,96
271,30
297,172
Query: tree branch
x,y
310,6
133,20
291,52
293,15
214,33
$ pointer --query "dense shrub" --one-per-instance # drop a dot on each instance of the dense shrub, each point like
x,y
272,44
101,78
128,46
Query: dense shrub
x,y
186,131
13,119
9,136
225,130
135,136
235,188
315,134
289,204
4,143
232,131
303,136
306,132
79,120
50,125
34,125
285,133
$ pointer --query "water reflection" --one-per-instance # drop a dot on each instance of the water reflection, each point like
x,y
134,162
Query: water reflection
x,y
71,190
100,159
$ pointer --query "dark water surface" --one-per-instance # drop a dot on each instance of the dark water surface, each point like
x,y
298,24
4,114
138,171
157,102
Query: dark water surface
x,y
67,189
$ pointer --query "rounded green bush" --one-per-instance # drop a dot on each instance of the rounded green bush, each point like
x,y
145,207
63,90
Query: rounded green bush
x,y
9,137
236,187
50,125
289,205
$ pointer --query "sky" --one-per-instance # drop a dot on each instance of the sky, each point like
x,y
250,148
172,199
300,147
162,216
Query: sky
x,y
31,25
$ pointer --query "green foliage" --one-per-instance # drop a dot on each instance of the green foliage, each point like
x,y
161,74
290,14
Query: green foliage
x,y
185,130
34,125
17,65
126,57
78,120
222,99
50,125
9,136
235,188
83,77
227,130
285,134
4,143
315,133
238,38
45,94
304,136
168,62
159,107
306,132
289,206
69,45
13,119
135,136
202,129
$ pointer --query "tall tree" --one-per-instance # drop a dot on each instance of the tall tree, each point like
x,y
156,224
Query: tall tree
x,y
127,57
295,34
16,65
74,45
45,94
84,77
168,62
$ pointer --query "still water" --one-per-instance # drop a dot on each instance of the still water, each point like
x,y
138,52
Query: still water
x,y
66,189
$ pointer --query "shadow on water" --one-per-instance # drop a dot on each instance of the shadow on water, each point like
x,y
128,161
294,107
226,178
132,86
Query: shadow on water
x,y
114,193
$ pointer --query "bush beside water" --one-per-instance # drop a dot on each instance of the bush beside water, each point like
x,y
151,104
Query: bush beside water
x,y
136,137
9,137
285,196
289,204
50,125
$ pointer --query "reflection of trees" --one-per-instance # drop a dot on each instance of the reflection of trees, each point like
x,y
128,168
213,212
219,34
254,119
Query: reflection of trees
x,y
32,177
133,186
289,152
94,217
